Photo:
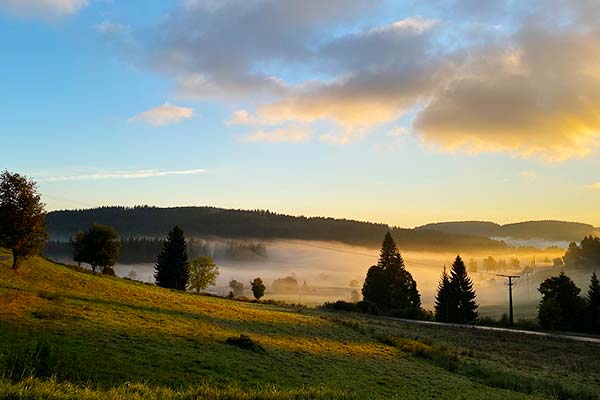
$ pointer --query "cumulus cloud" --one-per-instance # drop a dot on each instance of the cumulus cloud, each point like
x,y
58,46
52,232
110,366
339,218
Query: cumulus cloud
x,y
43,8
150,173
529,87
164,115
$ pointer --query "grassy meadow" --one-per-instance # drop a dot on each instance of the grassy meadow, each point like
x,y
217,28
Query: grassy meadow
x,y
66,333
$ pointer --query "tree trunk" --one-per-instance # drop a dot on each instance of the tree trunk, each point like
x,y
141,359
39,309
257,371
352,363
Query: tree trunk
x,y
15,263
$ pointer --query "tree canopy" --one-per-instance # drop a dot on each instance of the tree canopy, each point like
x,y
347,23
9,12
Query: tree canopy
x,y
462,294
22,216
99,247
389,285
258,288
443,299
455,298
203,272
593,299
172,267
560,306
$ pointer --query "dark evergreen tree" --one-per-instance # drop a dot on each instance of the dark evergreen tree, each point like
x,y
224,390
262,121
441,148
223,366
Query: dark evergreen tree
x,y
562,292
593,299
463,305
443,299
172,268
389,285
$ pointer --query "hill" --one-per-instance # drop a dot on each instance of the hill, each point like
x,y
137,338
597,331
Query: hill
x,y
546,230
146,221
103,337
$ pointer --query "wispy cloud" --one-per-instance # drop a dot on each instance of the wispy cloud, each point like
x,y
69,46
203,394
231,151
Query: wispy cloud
x,y
108,28
116,175
164,115
528,174
281,135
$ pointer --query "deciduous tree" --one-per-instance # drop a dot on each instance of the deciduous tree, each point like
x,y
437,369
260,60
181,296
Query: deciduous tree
x,y
22,216
203,272
258,288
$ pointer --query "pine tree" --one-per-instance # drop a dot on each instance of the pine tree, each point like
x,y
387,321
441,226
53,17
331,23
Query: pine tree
x,y
389,285
593,299
443,299
462,294
172,268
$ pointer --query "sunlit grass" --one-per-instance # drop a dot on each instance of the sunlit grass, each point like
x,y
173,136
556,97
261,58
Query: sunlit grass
x,y
99,332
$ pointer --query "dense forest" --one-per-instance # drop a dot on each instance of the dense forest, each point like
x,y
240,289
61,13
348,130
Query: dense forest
x,y
547,230
154,222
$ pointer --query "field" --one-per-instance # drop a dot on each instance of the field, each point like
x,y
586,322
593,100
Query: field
x,y
66,333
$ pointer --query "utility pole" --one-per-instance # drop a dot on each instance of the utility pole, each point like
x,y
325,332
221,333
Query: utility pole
x,y
510,300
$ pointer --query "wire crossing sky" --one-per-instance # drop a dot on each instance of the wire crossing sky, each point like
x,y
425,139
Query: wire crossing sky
x,y
403,112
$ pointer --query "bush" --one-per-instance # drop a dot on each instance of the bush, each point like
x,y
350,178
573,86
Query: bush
x,y
340,305
368,307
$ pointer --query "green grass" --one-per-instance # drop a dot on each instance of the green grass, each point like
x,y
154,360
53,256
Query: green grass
x,y
68,334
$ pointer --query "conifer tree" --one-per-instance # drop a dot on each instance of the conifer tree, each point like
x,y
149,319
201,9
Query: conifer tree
x,y
389,285
172,268
462,294
443,299
593,299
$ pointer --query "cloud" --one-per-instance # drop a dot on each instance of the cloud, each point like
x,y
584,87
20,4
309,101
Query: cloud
x,y
281,135
251,35
528,174
111,28
242,117
538,96
151,173
593,186
529,86
43,8
164,115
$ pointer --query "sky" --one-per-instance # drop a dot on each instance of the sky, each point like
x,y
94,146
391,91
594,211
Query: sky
x,y
402,112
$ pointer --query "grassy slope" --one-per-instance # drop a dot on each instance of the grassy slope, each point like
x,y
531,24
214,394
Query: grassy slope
x,y
109,331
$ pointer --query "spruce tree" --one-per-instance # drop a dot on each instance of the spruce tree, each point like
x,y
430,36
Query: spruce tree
x,y
443,299
389,285
462,295
172,268
593,299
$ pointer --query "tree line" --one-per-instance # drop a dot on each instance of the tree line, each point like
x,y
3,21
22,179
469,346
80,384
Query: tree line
x,y
144,250
150,222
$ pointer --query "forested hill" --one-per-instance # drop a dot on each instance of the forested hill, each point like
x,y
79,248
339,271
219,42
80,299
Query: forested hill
x,y
548,230
146,221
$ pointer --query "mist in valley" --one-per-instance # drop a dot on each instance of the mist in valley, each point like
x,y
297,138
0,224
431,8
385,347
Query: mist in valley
x,y
327,271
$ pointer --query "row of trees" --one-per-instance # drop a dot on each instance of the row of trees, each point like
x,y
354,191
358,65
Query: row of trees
x,y
392,289
562,307
584,255
146,221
